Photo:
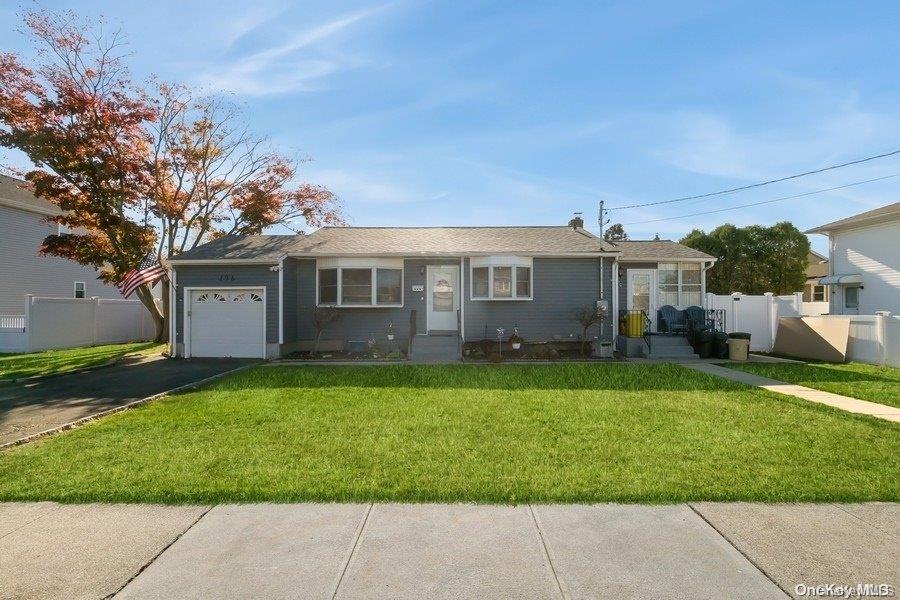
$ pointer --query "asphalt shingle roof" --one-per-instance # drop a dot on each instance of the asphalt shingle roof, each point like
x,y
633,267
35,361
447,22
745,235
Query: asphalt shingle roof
x,y
885,213
405,241
652,250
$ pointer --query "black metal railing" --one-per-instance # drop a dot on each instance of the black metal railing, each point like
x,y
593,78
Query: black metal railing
x,y
636,323
715,319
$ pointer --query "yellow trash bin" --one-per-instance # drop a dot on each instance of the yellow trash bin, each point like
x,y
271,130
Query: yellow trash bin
x,y
738,349
634,325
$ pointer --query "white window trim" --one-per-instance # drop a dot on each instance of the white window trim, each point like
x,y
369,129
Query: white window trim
x,y
373,265
681,292
75,290
491,262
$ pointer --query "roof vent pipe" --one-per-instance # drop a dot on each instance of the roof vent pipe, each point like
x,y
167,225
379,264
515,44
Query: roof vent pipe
x,y
577,222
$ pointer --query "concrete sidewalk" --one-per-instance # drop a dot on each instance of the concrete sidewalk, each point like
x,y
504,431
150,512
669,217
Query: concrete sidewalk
x,y
442,551
854,405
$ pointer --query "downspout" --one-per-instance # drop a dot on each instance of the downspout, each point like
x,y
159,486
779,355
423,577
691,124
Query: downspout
x,y
173,296
615,297
601,296
462,298
703,281
280,303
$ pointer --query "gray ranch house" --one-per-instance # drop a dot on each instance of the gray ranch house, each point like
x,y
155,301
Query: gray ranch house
x,y
255,296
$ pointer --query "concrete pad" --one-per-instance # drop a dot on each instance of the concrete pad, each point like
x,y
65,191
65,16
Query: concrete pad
x,y
15,515
449,551
814,543
616,551
256,551
88,550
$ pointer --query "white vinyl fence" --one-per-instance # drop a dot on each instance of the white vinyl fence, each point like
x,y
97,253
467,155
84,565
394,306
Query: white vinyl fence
x,y
756,315
874,339
70,322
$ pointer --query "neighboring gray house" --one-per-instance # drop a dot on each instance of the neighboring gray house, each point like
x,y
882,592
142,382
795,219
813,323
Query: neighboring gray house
x,y
23,270
254,296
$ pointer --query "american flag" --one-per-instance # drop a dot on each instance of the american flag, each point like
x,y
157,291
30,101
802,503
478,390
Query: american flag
x,y
148,271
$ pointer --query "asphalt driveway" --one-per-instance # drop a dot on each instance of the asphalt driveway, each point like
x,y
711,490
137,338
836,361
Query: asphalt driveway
x,y
29,408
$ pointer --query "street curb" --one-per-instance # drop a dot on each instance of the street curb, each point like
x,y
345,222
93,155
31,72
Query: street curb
x,y
124,407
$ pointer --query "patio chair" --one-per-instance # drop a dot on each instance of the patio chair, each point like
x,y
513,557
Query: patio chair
x,y
695,320
671,320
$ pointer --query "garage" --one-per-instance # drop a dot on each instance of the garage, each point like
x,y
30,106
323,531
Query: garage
x,y
226,322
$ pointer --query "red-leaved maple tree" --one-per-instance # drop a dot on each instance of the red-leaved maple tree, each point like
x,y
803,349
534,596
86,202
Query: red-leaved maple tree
x,y
135,170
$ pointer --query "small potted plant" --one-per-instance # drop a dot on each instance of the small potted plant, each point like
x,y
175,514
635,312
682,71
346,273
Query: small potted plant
x,y
515,340
390,331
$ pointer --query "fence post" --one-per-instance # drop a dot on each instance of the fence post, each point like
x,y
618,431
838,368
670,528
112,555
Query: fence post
x,y
735,302
29,299
95,304
798,303
881,318
772,316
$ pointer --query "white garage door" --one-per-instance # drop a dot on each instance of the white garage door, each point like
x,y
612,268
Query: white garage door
x,y
227,323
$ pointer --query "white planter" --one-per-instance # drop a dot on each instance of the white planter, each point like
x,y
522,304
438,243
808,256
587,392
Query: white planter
x,y
516,345
390,337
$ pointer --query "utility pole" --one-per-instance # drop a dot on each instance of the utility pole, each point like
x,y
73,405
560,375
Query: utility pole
x,y
602,221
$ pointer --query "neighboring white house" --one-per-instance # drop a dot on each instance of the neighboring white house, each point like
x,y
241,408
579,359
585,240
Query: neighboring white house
x,y
864,262
23,270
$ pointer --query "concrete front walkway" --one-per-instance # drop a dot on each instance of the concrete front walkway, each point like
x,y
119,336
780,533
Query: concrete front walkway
x,y
442,551
853,405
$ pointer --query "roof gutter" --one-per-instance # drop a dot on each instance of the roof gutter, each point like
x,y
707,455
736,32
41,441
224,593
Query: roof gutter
x,y
449,254
225,261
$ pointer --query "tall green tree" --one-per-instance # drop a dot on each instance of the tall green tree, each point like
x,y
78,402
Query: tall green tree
x,y
753,259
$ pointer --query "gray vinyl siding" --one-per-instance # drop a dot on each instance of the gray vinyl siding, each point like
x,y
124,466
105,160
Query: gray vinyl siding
x,y
561,286
291,308
23,271
623,280
366,323
223,276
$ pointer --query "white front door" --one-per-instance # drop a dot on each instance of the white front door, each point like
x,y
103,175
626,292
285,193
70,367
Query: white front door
x,y
641,290
226,323
442,294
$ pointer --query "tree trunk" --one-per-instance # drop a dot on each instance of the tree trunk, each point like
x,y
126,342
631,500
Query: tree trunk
x,y
166,309
146,298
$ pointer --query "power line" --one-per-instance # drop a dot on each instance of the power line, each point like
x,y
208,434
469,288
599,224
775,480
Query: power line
x,y
709,212
760,184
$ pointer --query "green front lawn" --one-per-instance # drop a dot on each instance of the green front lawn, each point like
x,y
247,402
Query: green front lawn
x,y
857,380
50,362
508,433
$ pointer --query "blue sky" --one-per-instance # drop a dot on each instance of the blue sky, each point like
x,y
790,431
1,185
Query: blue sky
x,y
474,113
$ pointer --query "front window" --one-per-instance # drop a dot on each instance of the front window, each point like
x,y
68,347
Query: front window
x,y
79,289
389,283
818,293
328,286
502,282
480,284
356,286
501,278
378,284
679,284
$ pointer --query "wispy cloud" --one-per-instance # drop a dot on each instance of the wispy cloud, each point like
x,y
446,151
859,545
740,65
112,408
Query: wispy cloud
x,y
293,65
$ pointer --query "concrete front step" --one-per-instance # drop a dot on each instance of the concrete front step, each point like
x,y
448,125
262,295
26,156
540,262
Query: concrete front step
x,y
670,354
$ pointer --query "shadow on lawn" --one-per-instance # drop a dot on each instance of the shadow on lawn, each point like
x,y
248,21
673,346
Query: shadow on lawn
x,y
503,377
818,372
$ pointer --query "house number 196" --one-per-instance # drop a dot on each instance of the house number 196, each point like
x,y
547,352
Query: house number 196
x,y
226,277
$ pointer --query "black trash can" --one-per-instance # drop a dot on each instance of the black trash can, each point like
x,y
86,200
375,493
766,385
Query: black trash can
x,y
720,345
739,335
704,344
